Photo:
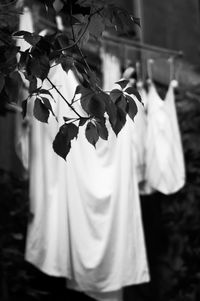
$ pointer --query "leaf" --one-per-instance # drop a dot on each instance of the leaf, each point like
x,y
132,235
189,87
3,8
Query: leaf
x,y
66,119
72,130
123,83
91,133
24,108
24,57
8,59
13,83
135,20
33,85
32,39
96,106
47,104
62,141
39,66
131,107
20,33
110,108
96,26
82,121
121,103
63,40
81,73
67,63
44,91
2,81
60,145
131,90
115,94
40,112
102,129
121,120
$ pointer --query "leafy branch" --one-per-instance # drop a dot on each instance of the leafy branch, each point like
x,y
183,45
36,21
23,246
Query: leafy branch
x,y
53,49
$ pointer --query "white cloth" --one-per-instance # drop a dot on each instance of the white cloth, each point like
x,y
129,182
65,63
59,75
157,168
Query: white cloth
x,y
165,171
87,222
22,129
139,133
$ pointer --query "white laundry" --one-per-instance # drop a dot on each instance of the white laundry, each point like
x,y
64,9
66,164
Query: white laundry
x,y
139,133
165,170
87,225
86,222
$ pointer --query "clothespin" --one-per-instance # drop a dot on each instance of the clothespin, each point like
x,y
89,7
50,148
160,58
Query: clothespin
x,y
149,69
172,73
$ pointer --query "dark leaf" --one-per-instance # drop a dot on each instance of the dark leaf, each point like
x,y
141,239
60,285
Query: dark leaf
x,y
62,142
85,92
47,104
67,63
110,108
81,73
131,90
63,40
24,107
96,26
102,129
13,83
4,102
44,45
131,107
8,59
20,33
39,66
61,145
91,133
123,83
121,120
66,119
24,56
122,103
32,39
2,82
115,94
96,106
72,130
40,111
33,85
78,89
44,91
82,121
136,20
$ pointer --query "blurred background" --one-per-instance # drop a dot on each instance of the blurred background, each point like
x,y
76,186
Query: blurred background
x,y
169,29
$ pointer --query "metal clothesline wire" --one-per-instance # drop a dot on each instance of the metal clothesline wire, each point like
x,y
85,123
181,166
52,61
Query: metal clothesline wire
x,y
127,42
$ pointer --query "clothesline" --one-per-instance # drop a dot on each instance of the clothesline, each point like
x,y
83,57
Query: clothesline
x,y
107,38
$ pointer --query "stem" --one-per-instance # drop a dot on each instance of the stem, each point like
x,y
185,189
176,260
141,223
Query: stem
x,y
71,107
79,50
79,38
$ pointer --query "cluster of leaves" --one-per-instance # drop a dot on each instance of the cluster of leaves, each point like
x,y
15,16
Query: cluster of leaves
x,y
82,20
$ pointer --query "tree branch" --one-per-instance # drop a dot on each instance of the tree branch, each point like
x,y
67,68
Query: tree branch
x,y
71,107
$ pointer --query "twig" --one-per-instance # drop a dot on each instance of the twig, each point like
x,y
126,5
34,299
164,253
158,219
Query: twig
x,y
71,107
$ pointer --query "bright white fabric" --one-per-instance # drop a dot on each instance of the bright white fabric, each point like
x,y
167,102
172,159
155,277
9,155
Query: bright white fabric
x,y
165,170
22,129
139,134
87,222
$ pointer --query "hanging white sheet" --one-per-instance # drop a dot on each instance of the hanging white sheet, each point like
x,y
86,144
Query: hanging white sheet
x,y
165,170
87,222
